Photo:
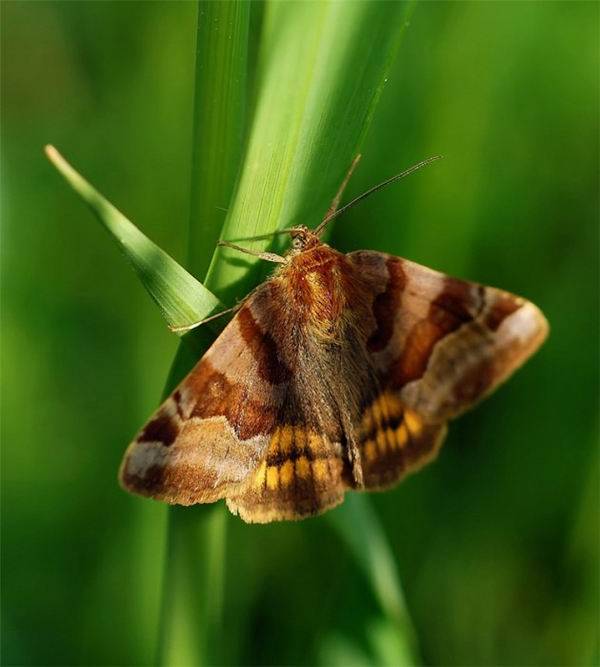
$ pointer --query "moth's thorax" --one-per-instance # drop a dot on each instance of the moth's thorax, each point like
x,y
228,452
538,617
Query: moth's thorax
x,y
319,282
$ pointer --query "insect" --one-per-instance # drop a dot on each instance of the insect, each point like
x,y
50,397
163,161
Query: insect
x,y
339,372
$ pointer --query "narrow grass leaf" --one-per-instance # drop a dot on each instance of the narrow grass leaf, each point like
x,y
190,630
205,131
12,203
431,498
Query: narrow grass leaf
x,y
219,121
359,527
192,614
180,297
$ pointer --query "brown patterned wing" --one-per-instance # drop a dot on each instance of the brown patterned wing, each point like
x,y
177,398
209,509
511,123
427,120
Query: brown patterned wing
x,y
303,474
211,434
440,344
395,441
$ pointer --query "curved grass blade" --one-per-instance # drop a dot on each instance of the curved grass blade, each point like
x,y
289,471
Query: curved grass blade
x,y
359,527
180,297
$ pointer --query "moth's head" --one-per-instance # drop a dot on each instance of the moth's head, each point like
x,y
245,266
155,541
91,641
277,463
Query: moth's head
x,y
303,239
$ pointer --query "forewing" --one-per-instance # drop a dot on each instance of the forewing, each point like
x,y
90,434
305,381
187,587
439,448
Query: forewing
x,y
210,435
441,344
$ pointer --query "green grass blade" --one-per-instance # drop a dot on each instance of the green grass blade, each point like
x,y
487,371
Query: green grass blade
x,y
318,84
191,623
219,118
321,69
180,297
316,88
191,627
360,528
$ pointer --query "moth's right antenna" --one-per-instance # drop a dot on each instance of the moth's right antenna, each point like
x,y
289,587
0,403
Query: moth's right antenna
x,y
330,216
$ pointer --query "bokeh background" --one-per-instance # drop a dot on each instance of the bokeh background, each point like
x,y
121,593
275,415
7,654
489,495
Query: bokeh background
x,y
497,543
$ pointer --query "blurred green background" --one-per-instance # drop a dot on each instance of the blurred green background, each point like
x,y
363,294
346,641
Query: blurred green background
x,y
497,542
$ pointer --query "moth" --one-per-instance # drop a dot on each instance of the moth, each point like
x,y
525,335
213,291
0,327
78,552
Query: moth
x,y
340,372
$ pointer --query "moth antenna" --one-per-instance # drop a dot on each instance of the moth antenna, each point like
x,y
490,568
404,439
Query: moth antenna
x,y
328,218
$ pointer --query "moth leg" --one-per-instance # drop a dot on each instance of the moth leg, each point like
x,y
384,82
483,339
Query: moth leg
x,y
354,454
262,237
268,256
233,309
192,325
